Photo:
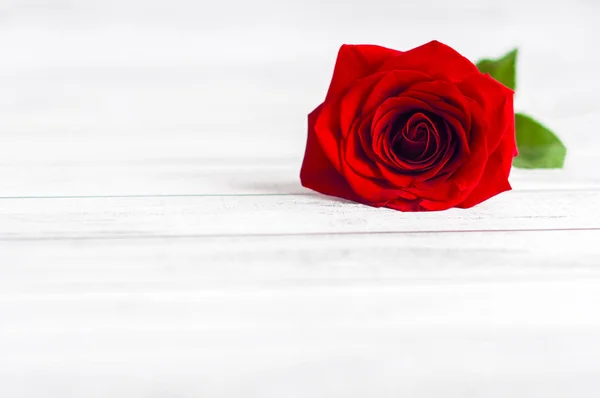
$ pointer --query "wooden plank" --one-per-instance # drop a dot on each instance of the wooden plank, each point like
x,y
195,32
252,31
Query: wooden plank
x,y
309,360
196,176
152,177
221,317
135,266
163,217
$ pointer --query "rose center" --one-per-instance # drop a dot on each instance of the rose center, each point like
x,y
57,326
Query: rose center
x,y
416,139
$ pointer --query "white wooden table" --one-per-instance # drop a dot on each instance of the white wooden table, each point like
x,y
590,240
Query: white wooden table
x,y
155,240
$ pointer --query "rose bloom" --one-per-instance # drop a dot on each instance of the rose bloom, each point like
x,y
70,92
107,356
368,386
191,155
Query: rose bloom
x,y
414,131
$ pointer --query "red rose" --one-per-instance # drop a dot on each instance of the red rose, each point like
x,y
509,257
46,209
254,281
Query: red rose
x,y
413,131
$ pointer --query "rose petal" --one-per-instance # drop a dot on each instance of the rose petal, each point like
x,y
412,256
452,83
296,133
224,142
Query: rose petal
x,y
433,58
317,172
391,85
354,62
495,176
355,156
352,103
372,191
496,101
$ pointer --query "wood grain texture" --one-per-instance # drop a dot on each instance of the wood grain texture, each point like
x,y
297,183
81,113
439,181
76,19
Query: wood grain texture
x,y
155,241
258,316
225,175
239,215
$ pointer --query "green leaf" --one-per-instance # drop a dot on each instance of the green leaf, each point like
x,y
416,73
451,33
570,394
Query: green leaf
x,y
538,147
502,69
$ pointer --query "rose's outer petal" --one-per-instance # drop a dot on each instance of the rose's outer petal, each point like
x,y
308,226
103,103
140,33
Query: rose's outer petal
x,y
497,170
404,205
372,191
327,130
352,107
354,62
421,204
317,172
433,58
353,152
495,99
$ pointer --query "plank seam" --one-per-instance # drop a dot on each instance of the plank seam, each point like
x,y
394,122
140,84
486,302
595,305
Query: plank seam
x,y
285,235
566,190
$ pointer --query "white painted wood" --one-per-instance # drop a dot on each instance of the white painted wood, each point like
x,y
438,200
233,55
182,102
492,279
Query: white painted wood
x,y
318,315
155,241
137,265
217,176
164,217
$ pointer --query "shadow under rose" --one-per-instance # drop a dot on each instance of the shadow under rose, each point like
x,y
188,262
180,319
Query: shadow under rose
x,y
282,188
